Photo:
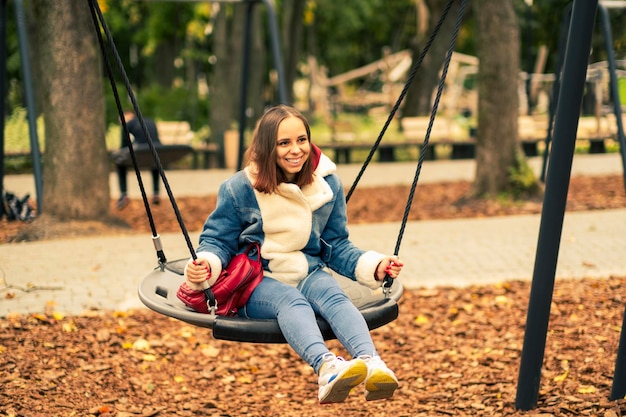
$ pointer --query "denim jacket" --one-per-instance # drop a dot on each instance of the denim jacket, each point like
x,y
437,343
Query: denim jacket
x,y
299,229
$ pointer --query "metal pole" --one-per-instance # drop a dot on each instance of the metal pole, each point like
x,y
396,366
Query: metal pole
x,y
529,57
619,378
557,184
565,23
618,390
617,105
3,90
30,101
276,53
245,63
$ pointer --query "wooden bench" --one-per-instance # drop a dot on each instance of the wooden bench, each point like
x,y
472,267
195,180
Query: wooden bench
x,y
597,132
443,133
204,156
386,150
344,141
530,131
174,132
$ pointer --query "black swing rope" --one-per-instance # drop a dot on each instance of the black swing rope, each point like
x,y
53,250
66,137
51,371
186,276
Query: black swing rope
x,y
388,281
98,20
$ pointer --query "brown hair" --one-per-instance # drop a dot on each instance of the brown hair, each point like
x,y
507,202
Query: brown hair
x,y
262,150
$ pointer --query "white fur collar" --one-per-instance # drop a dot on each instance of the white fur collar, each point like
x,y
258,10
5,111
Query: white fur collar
x,y
287,221
325,166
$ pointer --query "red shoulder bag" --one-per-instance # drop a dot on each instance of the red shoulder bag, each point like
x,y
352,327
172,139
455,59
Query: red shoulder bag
x,y
231,290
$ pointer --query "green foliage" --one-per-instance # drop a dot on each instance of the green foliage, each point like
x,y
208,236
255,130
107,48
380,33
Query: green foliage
x,y
522,180
162,103
344,36
16,133
147,23
17,141
139,29
543,27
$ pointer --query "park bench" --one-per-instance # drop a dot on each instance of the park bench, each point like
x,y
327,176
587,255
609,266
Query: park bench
x,y
413,129
532,130
174,132
444,133
205,155
596,132
344,141
176,140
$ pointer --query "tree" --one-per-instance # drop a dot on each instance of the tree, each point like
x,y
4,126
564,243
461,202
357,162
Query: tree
x,y
418,101
76,164
500,166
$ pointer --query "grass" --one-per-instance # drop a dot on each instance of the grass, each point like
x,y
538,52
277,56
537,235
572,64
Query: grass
x,y
16,132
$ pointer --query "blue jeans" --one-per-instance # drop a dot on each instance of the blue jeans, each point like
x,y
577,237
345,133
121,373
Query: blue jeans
x,y
295,309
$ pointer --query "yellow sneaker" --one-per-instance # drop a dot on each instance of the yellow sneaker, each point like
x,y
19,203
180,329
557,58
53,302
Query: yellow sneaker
x,y
380,382
338,376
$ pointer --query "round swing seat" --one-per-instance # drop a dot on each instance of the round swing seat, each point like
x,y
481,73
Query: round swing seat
x,y
158,292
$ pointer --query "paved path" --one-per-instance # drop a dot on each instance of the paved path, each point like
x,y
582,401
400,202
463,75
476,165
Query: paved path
x,y
73,275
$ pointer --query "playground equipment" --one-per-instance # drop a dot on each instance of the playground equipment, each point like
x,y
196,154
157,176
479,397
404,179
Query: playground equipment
x,y
594,74
570,96
158,289
28,93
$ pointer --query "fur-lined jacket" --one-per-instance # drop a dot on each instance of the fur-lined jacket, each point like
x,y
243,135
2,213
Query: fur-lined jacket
x,y
299,229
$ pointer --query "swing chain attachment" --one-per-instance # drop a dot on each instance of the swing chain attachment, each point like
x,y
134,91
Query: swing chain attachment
x,y
387,282
387,286
156,241
211,302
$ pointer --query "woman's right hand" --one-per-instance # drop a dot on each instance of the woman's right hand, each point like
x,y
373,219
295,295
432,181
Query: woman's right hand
x,y
198,270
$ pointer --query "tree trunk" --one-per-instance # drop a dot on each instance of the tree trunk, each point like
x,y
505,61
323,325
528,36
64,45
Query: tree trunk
x,y
164,71
418,101
76,164
225,87
498,46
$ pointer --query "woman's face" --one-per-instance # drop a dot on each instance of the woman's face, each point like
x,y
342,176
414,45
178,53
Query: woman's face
x,y
292,146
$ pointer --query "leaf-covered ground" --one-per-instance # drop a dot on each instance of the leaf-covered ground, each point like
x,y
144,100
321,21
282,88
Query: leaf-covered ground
x,y
456,351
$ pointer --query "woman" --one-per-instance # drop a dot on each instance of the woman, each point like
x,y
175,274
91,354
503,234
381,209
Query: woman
x,y
290,200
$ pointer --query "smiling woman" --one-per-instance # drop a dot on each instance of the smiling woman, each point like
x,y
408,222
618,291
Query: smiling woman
x,y
293,146
290,201
281,150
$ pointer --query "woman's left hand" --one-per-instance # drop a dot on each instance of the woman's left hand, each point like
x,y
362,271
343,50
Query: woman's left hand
x,y
388,266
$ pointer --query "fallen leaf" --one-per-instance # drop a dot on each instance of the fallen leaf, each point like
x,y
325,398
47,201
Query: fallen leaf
x,y
421,319
586,389
141,344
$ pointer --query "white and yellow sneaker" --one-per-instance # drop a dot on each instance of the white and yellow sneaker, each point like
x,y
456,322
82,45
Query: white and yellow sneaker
x,y
338,376
380,382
